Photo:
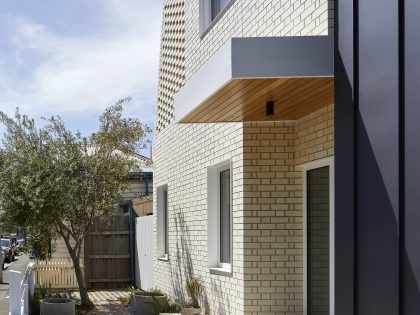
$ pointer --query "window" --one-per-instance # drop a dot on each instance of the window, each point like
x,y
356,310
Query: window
x,y
224,216
209,11
219,217
217,6
162,222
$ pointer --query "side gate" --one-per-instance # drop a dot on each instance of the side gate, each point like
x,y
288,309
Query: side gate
x,y
144,251
107,254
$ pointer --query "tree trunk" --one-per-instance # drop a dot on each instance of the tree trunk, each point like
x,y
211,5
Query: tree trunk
x,y
84,297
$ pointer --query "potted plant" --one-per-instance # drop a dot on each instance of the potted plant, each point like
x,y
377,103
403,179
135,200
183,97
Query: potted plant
x,y
169,307
147,302
194,288
54,303
62,306
187,310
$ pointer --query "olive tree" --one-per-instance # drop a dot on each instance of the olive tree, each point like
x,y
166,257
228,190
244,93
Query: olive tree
x,y
54,182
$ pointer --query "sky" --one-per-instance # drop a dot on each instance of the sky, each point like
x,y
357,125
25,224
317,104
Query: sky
x,y
75,58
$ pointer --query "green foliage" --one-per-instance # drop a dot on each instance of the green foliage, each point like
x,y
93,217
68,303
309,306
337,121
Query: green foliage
x,y
168,306
194,288
139,291
53,182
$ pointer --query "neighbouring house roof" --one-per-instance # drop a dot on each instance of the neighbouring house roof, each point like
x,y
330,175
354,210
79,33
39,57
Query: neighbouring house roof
x,y
144,163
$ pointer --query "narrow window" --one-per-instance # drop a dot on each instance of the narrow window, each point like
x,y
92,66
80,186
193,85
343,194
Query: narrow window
x,y
165,220
224,217
219,216
162,222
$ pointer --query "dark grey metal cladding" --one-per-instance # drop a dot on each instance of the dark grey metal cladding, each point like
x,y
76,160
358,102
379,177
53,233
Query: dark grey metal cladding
x,y
344,26
412,159
344,109
273,57
377,140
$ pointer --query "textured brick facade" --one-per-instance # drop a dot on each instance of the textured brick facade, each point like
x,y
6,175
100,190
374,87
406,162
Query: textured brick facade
x,y
273,208
267,275
172,60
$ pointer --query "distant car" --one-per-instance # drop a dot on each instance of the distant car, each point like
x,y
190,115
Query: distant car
x,y
8,248
33,253
20,244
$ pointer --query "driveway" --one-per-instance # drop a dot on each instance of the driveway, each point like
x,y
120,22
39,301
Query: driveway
x,y
19,264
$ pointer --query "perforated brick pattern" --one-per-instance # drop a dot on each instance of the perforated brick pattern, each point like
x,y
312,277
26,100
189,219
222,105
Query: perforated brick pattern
x,y
172,60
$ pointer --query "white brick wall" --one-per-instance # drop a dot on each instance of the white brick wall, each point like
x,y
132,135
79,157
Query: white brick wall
x,y
184,170
273,208
267,190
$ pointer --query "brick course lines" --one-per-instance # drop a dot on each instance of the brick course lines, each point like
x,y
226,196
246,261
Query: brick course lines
x,y
267,189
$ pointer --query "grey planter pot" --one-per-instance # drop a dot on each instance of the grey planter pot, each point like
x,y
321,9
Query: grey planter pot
x,y
56,306
190,311
146,305
187,311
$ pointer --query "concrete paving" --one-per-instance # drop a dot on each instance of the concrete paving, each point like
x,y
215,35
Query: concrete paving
x,y
107,301
19,264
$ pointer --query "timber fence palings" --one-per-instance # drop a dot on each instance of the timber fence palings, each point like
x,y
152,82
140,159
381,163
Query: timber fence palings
x,y
55,274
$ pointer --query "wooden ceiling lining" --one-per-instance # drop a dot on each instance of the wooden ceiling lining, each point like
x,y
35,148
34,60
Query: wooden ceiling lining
x,y
290,89
228,91
245,100
291,108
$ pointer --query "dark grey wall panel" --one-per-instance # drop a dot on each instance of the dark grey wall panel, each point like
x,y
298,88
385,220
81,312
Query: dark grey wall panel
x,y
344,158
344,25
378,160
344,191
412,159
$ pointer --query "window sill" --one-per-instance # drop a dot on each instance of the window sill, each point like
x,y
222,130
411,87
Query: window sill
x,y
164,258
221,271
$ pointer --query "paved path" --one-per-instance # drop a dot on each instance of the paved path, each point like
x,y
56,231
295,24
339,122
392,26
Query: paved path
x,y
19,264
107,302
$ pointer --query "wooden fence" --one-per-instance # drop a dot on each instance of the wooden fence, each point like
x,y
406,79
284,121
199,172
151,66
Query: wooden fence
x,y
55,274
106,262
107,254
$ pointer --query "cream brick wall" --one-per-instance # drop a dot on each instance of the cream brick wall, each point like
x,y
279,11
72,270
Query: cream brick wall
x,y
273,220
315,135
273,208
267,190
181,159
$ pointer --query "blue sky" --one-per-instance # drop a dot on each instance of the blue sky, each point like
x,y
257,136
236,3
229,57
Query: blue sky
x,y
74,58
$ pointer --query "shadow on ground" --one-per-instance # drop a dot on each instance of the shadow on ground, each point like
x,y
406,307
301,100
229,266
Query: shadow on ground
x,y
110,308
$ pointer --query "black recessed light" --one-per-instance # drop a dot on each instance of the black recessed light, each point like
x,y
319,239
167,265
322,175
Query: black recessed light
x,y
269,108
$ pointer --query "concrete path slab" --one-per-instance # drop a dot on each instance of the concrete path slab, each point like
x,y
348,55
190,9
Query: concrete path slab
x,y
107,301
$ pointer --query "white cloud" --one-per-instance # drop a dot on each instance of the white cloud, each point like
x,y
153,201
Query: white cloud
x,y
90,71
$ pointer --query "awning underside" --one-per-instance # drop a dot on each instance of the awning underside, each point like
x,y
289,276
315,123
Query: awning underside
x,y
296,73
245,100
